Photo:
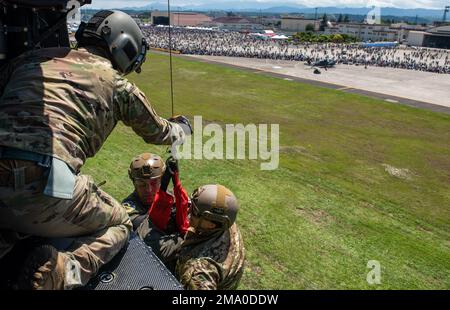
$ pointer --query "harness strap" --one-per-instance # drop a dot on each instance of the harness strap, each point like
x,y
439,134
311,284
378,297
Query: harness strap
x,y
61,180
11,153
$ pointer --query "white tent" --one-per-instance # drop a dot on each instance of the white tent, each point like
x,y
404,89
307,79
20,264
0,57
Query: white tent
x,y
200,28
280,37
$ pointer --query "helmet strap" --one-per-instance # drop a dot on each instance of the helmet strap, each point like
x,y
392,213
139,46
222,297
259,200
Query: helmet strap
x,y
142,56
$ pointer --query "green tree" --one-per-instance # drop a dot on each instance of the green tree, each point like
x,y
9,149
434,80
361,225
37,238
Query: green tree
x,y
348,38
323,38
310,28
337,38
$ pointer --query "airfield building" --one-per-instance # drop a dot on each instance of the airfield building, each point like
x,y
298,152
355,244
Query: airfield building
x,y
179,18
404,29
293,24
234,23
438,37
365,32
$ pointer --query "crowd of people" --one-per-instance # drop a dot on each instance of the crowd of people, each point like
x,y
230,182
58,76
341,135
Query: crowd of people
x,y
235,44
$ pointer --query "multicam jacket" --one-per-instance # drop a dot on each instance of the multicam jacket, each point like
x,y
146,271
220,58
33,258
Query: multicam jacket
x,y
65,103
216,263
135,209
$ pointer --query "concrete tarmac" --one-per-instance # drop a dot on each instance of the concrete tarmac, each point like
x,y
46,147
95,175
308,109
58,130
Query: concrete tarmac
x,y
419,89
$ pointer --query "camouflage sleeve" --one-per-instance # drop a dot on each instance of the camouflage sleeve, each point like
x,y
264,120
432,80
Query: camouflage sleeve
x,y
135,110
199,274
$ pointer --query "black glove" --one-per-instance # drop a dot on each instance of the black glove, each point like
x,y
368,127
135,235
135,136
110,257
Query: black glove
x,y
171,169
184,122
172,164
165,180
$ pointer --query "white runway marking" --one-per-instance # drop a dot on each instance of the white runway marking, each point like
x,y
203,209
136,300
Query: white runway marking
x,y
391,100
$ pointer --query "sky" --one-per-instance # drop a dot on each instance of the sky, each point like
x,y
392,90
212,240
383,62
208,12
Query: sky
x,y
426,4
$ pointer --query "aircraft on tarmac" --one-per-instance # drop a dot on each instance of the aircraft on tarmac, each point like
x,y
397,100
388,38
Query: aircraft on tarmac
x,y
323,63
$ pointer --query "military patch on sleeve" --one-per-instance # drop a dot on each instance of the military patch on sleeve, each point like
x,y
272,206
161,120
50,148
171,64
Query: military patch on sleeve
x,y
129,204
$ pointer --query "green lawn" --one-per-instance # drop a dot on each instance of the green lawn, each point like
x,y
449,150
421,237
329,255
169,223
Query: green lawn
x,y
332,205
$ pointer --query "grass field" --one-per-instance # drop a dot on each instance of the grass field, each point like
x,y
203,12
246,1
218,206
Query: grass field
x,y
359,179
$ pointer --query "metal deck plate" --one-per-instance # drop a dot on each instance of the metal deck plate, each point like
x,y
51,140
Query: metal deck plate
x,y
136,267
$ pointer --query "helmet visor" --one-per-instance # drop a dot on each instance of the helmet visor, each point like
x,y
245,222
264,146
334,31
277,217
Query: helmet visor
x,y
141,58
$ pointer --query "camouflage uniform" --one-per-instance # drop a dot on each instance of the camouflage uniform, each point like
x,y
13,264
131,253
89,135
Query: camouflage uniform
x,y
165,245
214,262
135,209
64,103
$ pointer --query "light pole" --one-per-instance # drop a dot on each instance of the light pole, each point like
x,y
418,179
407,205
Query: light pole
x,y
446,10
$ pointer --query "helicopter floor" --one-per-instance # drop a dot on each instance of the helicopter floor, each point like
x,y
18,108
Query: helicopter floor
x,y
136,267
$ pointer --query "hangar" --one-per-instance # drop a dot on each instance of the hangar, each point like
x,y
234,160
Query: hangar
x,y
438,37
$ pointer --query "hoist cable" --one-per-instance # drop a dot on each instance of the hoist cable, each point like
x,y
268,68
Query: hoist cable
x,y
170,58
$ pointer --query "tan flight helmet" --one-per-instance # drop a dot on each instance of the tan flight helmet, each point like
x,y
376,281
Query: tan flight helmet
x,y
146,166
215,203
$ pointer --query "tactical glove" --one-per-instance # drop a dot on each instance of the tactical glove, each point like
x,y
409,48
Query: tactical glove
x,y
171,170
165,179
184,122
172,164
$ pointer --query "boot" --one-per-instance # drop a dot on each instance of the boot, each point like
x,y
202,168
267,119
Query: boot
x,y
44,269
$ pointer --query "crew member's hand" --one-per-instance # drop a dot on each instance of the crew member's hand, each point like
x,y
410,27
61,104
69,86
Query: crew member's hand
x,y
184,122
172,165
165,179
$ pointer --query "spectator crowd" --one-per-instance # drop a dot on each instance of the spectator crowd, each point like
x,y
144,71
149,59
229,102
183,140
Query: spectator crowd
x,y
235,44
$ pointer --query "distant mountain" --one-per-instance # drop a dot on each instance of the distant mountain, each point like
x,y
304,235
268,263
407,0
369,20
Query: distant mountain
x,y
280,7
248,6
387,11
283,9
152,6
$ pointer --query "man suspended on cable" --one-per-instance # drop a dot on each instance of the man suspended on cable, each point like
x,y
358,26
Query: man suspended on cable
x,y
158,216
